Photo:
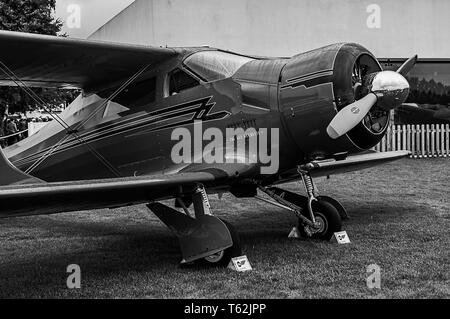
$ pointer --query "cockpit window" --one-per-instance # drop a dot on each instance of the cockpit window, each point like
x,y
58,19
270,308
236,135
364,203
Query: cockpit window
x,y
135,95
180,81
215,65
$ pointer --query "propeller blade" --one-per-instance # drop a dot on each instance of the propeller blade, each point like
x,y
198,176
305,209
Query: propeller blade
x,y
350,116
407,66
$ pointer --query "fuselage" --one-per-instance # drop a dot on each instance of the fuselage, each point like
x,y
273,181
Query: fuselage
x,y
128,132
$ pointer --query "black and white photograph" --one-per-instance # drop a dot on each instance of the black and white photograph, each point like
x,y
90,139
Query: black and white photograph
x,y
241,151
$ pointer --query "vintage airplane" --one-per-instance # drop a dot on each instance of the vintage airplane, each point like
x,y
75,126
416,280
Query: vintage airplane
x,y
112,146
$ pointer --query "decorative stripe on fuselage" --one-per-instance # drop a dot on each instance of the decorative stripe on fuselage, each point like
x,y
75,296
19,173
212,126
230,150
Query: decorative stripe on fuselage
x,y
309,80
200,110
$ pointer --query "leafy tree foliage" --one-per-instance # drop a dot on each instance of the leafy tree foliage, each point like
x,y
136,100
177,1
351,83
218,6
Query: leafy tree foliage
x,y
428,92
34,16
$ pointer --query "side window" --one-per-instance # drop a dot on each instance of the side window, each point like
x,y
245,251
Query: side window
x,y
180,81
135,95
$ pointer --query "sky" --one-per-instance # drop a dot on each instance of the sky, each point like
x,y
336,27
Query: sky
x,y
82,17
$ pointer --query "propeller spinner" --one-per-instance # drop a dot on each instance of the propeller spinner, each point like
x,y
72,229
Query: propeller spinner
x,y
386,89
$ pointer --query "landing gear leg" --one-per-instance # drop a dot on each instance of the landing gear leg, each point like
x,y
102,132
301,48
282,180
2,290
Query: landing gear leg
x,y
221,257
325,216
317,217
204,237
302,201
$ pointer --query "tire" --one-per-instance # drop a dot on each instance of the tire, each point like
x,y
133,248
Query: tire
x,y
336,204
223,258
328,216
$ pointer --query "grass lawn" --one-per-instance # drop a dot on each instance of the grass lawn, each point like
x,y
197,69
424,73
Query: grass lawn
x,y
400,220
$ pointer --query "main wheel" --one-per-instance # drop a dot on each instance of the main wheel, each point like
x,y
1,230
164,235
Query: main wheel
x,y
222,258
336,204
328,218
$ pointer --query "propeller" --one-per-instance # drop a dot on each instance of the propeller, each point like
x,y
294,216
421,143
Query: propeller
x,y
387,90
407,66
350,116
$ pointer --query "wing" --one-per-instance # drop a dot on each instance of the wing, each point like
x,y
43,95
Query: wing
x,y
349,164
49,198
355,162
50,61
23,195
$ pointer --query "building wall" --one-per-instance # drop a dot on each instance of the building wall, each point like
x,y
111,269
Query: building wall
x,y
389,28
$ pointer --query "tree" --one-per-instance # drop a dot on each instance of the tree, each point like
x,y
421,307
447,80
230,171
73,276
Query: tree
x,y
32,16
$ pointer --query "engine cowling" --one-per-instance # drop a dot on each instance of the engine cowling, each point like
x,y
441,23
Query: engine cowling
x,y
315,86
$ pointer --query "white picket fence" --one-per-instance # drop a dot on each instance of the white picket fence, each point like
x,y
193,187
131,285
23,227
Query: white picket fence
x,y
422,140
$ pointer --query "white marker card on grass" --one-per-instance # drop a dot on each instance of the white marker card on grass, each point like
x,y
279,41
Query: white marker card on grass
x,y
342,237
294,233
240,263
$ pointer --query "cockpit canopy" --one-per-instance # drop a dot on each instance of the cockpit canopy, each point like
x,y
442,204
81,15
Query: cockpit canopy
x,y
215,65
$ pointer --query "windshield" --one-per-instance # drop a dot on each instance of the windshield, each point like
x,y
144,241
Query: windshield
x,y
215,65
